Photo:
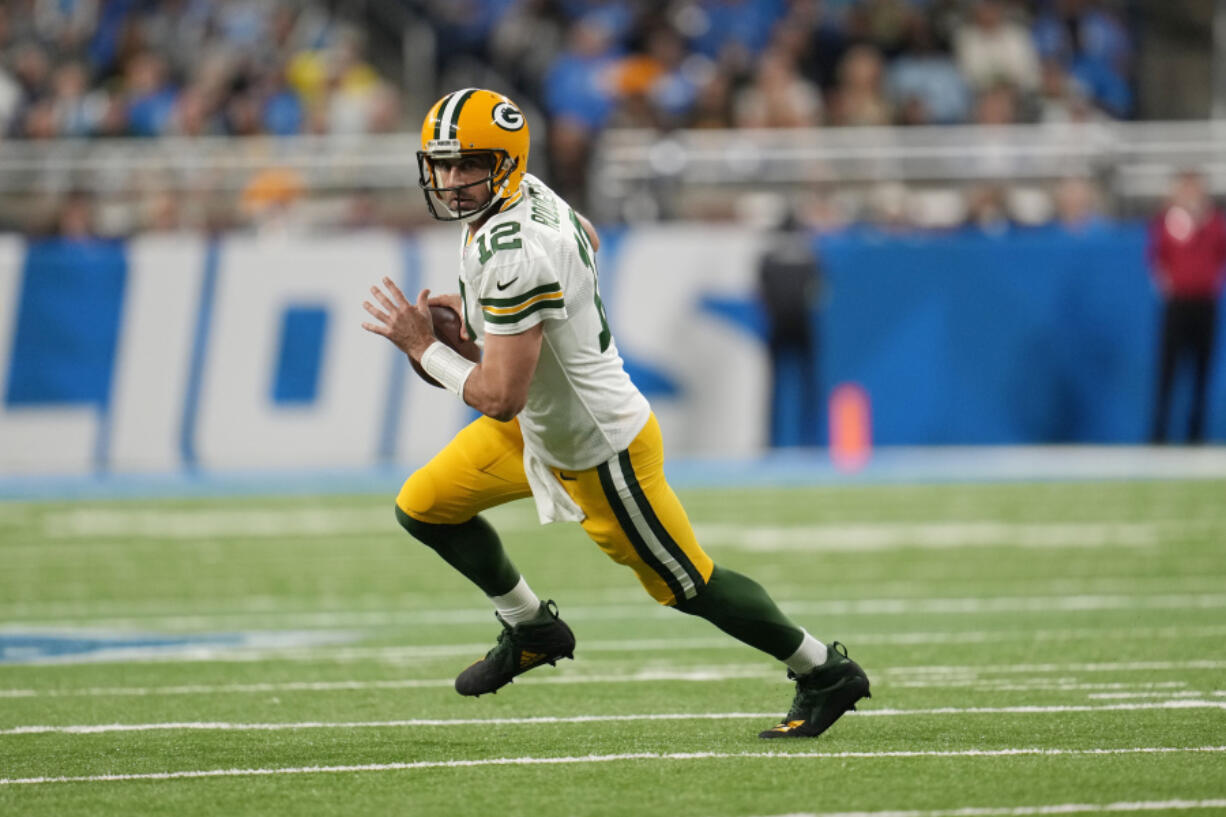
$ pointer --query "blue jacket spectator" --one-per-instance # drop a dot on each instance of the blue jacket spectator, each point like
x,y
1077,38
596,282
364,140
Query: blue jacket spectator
x,y
579,85
929,77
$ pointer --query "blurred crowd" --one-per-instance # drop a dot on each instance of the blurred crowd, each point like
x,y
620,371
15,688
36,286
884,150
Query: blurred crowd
x,y
152,68
72,68
108,68
794,63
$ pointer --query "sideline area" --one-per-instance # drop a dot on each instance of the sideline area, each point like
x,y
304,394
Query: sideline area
x,y
780,468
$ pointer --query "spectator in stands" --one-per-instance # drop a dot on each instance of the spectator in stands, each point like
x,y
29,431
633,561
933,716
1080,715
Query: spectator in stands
x,y
75,113
31,70
1092,43
39,121
887,23
1078,207
526,41
992,48
579,92
924,81
282,112
997,105
180,30
987,210
859,99
66,25
352,91
271,200
1063,99
661,82
713,105
465,26
580,85
1187,254
10,101
731,32
195,113
161,212
779,97
75,220
823,210
831,28
149,96
242,114
339,88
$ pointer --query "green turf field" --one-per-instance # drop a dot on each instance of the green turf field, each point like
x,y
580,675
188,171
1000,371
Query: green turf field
x,y
1034,649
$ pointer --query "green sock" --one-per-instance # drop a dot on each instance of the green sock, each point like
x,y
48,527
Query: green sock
x,y
471,547
742,608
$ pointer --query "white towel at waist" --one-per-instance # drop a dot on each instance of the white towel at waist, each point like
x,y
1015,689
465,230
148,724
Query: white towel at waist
x,y
553,504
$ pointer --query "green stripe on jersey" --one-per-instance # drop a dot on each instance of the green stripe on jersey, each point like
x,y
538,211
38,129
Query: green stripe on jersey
x,y
556,303
515,300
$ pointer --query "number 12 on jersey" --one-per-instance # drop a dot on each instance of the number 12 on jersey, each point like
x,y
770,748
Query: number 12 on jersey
x,y
500,239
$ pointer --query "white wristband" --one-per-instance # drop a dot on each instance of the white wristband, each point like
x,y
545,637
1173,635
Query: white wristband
x,y
447,366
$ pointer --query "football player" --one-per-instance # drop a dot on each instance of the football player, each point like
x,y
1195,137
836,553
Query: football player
x,y
562,422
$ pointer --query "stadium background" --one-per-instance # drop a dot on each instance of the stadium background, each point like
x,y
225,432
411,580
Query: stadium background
x,y
207,608
195,194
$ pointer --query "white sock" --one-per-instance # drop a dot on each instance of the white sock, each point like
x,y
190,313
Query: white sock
x,y
810,655
517,605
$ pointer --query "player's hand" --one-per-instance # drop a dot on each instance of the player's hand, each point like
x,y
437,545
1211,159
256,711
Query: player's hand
x,y
452,301
406,325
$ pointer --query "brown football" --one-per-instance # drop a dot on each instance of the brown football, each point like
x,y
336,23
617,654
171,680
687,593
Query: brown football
x,y
447,330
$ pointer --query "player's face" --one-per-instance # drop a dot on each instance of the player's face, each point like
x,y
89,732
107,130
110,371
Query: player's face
x,y
466,174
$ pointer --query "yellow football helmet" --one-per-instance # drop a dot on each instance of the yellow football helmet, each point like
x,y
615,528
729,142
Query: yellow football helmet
x,y
474,122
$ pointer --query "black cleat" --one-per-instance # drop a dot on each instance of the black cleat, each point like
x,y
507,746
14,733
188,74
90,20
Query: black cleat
x,y
520,648
822,696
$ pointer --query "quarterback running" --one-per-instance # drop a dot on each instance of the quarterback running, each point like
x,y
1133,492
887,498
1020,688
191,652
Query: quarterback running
x,y
561,420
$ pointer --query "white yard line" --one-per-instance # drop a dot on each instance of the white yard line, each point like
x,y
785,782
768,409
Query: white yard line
x,y
224,726
1039,634
1096,666
1030,811
214,523
687,675
210,524
696,674
539,761
1063,604
134,609
1039,685
864,537
415,654
1120,696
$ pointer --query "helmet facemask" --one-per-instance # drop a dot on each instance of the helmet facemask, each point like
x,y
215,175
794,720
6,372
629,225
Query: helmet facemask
x,y
500,168
468,123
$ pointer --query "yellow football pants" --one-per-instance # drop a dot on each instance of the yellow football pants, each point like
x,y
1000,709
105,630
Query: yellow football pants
x,y
632,513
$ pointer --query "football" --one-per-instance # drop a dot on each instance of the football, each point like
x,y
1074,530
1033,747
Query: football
x,y
447,330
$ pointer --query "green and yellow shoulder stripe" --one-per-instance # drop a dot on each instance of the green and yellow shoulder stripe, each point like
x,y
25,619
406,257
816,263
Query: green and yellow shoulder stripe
x,y
517,307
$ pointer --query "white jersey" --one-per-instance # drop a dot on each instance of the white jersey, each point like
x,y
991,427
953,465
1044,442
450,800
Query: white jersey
x,y
533,263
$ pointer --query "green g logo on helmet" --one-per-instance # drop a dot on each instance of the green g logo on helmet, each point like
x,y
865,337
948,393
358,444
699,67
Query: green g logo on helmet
x,y
507,117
